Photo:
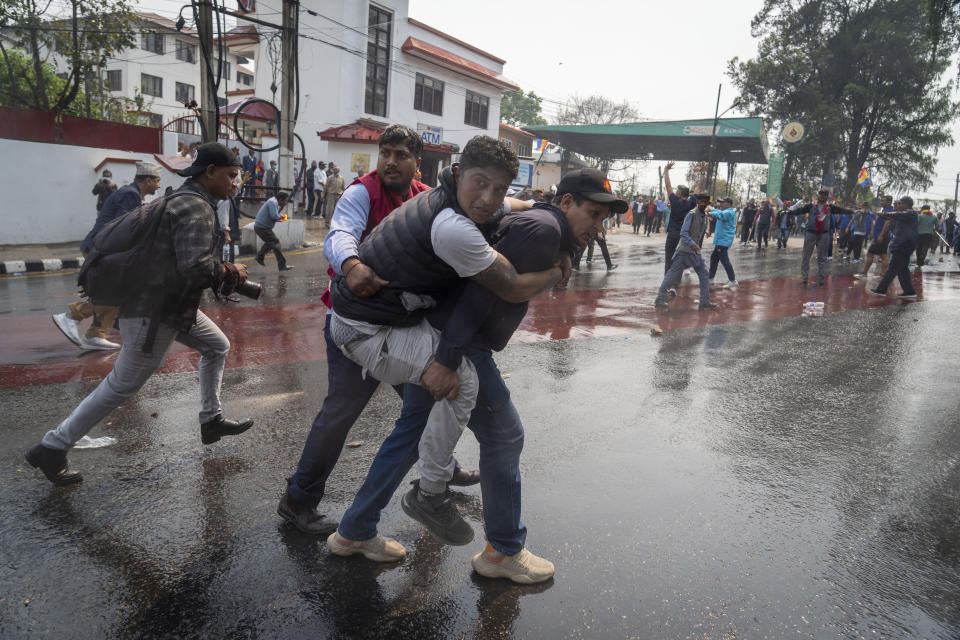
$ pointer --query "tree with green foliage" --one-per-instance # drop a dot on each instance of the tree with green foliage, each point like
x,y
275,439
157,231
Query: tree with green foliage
x,y
519,109
864,77
95,31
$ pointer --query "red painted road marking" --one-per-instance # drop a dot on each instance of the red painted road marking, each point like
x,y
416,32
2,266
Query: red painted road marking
x,y
286,334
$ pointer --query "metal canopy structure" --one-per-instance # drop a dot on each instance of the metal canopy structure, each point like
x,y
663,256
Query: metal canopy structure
x,y
738,140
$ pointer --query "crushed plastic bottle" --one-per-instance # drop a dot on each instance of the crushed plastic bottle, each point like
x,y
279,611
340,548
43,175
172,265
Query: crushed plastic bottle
x,y
812,309
86,442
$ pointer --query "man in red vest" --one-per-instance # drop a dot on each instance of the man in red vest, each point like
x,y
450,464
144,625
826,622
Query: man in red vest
x,y
363,205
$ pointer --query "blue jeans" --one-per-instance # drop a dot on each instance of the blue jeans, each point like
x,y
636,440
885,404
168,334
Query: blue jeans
x,y
782,235
347,395
497,427
683,260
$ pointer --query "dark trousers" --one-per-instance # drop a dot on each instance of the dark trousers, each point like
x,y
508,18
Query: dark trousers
x,y
763,235
589,251
310,200
855,245
720,256
670,247
745,233
636,224
348,393
270,243
898,268
647,225
924,242
657,221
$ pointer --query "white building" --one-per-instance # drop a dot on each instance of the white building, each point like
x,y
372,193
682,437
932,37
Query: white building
x,y
165,67
366,65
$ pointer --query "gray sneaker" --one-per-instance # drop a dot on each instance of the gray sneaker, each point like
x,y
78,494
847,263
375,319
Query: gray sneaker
x,y
68,326
377,548
522,568
438,514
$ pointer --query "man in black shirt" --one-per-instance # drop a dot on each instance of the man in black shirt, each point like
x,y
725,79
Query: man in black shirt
x,y
680,203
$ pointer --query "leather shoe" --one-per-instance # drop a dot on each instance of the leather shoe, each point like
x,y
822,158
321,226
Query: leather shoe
x,y
53,463
303,518
260,261
213,430
464,477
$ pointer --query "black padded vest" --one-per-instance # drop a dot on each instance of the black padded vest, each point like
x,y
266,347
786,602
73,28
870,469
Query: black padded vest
x,y
400,251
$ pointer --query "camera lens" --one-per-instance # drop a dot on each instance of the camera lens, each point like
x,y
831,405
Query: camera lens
x,y
249,289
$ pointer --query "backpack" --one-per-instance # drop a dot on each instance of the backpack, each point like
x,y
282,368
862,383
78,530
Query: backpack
x,y
120,260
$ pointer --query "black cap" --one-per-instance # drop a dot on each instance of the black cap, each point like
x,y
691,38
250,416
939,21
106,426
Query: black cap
x,y
211,153
702,196
591,184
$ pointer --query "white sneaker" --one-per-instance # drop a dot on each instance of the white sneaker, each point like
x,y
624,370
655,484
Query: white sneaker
x,y
97,344
378,548
731,285
68,326
859,276
522,568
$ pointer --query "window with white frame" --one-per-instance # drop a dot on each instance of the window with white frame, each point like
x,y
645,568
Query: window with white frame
x,y
152,42
184,92
428,95
379,26
151,85
113,80
186,52
476,110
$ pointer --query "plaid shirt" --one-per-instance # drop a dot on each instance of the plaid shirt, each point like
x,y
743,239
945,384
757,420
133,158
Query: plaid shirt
x,y
185,257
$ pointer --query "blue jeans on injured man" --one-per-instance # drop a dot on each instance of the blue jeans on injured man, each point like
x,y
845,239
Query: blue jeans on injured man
x,y
499,431
399,355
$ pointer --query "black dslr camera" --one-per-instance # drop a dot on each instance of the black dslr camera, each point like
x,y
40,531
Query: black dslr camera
x,y
229,284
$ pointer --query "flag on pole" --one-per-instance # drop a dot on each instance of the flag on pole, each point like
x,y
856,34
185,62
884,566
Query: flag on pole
x,y
539,145
864,178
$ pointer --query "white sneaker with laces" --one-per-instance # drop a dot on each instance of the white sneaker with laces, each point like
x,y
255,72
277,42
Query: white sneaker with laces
x,y
731,285
97,344
68,326
522,568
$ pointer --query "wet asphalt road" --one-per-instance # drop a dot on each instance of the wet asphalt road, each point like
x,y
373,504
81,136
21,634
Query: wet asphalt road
x,y
747,474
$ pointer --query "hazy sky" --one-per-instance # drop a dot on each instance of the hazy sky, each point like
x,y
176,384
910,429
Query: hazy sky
x,y
666,58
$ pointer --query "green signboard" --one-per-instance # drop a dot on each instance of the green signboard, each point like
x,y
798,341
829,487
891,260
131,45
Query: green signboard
x,y
775,174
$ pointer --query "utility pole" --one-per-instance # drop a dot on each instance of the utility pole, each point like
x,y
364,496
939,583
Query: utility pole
x,y
208,94
288,95
660,174
956,188
711,172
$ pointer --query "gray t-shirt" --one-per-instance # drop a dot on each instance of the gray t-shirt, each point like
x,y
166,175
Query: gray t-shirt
x,y
458,242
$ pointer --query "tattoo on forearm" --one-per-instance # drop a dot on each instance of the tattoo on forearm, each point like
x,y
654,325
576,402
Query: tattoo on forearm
x,y
500,277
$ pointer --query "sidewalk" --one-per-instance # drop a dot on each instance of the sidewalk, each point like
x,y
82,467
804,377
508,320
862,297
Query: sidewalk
x,y
29,258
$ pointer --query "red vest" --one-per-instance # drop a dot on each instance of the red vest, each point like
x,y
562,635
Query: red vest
x,y
383,202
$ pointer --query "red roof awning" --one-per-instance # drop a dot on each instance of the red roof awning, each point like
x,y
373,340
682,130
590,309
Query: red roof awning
x,y
367,134
258,111
450,60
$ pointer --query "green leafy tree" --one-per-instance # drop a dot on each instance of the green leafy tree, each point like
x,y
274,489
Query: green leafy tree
x,y
865,78
520,109
95,31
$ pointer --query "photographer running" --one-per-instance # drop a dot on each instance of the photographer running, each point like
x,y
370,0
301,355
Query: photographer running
x,y
165,309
